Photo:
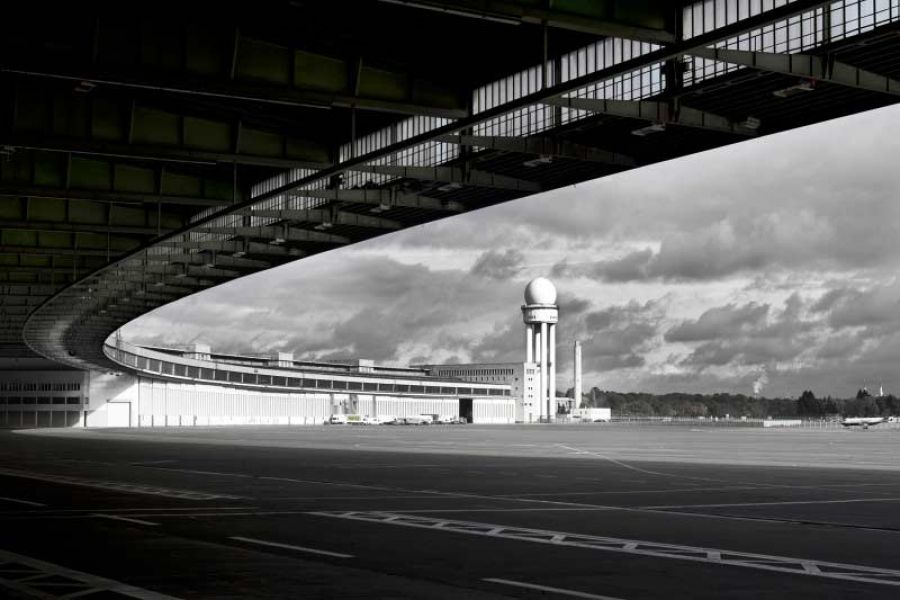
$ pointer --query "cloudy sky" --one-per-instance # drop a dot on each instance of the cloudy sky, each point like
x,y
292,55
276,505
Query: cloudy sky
x,y
772,261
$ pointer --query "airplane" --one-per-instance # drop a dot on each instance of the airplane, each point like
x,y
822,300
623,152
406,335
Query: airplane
x,y
865,422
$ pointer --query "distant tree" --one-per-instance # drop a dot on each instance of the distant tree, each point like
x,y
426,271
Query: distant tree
x,y
863,393
810,406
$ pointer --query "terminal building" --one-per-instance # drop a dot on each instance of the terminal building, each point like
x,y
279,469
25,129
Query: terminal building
x,y
165,387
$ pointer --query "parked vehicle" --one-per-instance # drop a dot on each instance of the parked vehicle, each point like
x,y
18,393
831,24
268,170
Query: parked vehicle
x,y
337,420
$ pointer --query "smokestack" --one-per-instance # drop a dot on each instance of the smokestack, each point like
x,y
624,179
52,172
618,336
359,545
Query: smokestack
x,y
577,398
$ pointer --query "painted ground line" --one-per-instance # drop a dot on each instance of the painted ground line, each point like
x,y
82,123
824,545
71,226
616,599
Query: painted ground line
x,y
18,501
33,573
126,519
547,588
114,486
199,472
290,547
782,503
715,556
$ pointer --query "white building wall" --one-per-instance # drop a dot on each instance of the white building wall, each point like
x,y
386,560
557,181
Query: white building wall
x,y
158,403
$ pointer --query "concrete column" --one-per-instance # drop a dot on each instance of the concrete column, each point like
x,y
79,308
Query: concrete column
x,y
529,343
543,394
551,367
537,344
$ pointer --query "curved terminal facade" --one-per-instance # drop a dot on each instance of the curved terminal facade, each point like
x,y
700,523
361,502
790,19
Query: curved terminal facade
x,y
166,387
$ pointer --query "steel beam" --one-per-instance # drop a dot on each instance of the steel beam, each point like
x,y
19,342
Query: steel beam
x,y
655,112
80,227
275,233
204,259
515,13
15,191
239,247
454,175
542,146
93,147
233,91
328,218
50,251
385,198
806,66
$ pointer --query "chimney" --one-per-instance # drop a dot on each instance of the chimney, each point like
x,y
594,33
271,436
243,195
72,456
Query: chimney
x,y
577,398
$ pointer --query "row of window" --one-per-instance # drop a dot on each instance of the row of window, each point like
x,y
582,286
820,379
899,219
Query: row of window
x,y
237,377
473,372
42,400
31,386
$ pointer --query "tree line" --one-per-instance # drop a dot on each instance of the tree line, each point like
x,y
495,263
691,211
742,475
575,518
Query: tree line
x,y
720,405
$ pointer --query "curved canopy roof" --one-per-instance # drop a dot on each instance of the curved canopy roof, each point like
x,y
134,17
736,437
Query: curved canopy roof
x,y
150,153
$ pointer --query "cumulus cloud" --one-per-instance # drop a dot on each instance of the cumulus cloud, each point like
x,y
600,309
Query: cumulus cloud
x,y
494,264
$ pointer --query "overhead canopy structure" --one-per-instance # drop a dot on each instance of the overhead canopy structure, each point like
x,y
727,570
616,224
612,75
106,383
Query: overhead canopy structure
x,y
154,150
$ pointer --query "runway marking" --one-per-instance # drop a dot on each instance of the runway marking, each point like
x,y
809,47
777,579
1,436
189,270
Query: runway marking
x,y
547,588
114,486
198,472
18,501
290,547
781,503
126,519
33,577
716,556
579,451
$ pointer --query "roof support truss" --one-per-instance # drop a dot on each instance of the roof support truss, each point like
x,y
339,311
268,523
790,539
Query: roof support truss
x,y
454,175
655,112
541,146
384,198
804,65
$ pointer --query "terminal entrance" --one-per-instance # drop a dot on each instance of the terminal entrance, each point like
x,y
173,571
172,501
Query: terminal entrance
x,y
465,409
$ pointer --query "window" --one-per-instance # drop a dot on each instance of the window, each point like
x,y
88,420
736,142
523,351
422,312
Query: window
x,y
167,368
154,365
386,387
370,387
323,384
416,389
221,375
29,400
59,400
354,385
73,400
180,370
448,390
234,377
207,374
193,372
250,378
339,384
464,391
279,381
292,381
402,388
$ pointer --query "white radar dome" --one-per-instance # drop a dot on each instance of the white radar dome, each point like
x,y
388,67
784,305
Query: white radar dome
x,y
540,291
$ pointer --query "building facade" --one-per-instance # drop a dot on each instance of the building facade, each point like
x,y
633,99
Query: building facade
x,y
167,387
522,379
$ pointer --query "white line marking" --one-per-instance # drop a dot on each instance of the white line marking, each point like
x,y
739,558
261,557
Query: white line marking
x,y
114,486
290,547
98,583
784,503
547,588
715,556
579,451
25,502
126,519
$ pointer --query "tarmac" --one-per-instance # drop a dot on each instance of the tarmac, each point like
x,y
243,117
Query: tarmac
x,y
548,511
